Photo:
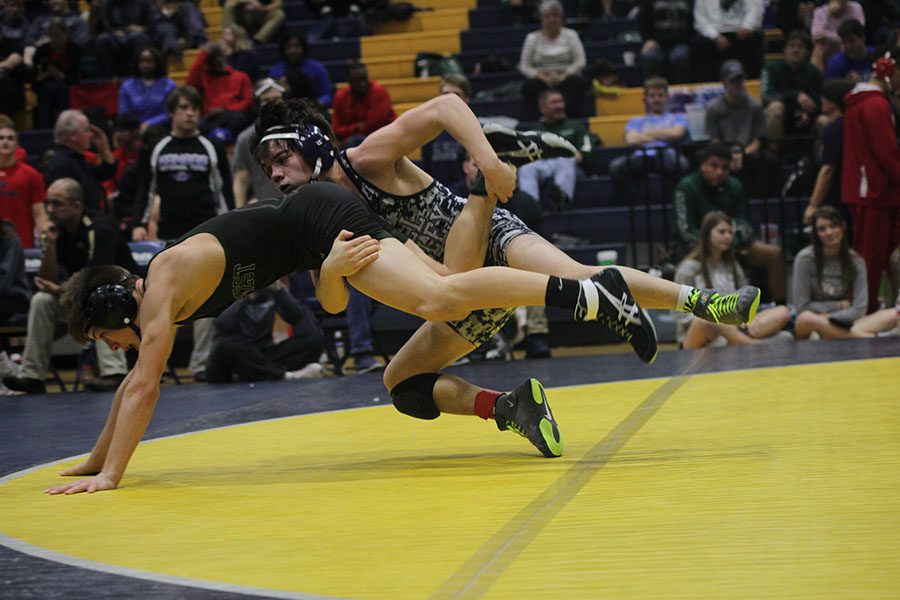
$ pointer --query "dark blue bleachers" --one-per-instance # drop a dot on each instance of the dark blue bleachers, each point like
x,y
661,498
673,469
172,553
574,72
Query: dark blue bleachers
x,y
613,225
333,50
35,141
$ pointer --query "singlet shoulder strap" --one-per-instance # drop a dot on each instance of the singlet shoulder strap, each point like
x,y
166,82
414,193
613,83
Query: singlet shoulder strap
x,y
355,177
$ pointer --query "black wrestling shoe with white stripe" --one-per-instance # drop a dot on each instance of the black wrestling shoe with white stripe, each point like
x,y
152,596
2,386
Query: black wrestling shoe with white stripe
x,y
522,147
526,411
606,298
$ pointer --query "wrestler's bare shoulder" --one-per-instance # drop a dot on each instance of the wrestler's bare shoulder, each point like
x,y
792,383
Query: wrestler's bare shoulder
x,y
190,270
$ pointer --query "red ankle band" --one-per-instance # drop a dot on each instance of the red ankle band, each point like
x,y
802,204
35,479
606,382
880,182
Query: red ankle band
x,y
484,403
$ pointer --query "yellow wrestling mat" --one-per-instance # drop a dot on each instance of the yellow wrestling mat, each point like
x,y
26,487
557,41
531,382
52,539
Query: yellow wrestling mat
x,y
772,483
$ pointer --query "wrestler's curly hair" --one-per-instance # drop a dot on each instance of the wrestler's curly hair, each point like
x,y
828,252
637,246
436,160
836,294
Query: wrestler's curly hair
x,y
297,111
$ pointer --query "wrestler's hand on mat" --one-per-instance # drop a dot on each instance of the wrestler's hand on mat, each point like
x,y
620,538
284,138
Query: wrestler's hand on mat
x,y
349,256
93,484
85,468
499,179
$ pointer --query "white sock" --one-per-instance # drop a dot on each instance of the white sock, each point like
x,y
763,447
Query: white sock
x,y
683,294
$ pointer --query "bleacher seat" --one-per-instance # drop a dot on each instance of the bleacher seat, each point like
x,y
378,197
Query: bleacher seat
x,y
35,141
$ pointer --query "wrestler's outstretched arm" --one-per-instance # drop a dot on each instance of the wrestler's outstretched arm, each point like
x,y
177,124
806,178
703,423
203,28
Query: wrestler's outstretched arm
x,y
137,395
388,147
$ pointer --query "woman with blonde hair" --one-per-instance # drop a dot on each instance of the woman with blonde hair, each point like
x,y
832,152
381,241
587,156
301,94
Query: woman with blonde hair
x,y
714,263
239,50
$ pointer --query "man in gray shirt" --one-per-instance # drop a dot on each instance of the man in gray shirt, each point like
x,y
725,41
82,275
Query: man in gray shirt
x,y
250,182
736,118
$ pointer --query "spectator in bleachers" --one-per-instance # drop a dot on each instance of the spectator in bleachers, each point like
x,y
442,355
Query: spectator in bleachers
x,y
524,11
13,22
824,29
830,290
55,67
667,27
791,90
250,182
328,9
227,93
794,14
713,262
39,32
127,26
553,58
658,133
737,119
261,18
15,292
127,142
871,171
827,188
179,25
854,60
127,186
75,239
21,188
144,95
556,175
73,136
295,61
728,30
713,188
239,50
93,16
243,347
188,172
360,108
189,181
12,75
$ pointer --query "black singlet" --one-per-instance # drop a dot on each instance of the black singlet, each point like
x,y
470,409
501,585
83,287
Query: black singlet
x,y
273,238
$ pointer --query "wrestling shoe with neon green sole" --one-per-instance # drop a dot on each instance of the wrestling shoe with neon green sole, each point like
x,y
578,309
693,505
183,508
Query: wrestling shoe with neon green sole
x,y
526,411
736,308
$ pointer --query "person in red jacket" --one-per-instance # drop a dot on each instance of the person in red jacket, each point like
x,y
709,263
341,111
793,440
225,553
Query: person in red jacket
x,y
360,108
871,170
227,93
22,189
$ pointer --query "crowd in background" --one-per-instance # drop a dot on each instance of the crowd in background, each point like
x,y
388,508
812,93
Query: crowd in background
x,y
168,157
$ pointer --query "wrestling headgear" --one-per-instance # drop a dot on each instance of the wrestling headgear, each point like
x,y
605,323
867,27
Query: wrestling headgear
x,y
314,146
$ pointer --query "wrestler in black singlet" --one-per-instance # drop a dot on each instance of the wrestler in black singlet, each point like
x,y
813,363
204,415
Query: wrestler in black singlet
x,y
273,238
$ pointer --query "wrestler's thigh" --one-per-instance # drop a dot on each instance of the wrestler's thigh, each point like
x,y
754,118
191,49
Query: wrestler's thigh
x,y
534,253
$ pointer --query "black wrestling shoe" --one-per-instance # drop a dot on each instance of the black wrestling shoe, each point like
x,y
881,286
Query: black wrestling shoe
x,y
736,308
522,147
526,411
615,307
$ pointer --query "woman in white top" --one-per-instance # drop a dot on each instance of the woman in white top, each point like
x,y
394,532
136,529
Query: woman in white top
x,y
553,57
714,261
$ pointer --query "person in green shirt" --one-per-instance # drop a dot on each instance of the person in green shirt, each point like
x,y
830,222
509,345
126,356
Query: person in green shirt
x,y
714,188
791,90
561,171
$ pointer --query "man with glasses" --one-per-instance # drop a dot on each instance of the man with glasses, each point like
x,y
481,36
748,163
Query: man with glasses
x,y
74,239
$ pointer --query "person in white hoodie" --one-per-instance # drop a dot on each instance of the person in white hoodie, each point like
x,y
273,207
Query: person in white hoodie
x,y
727,29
